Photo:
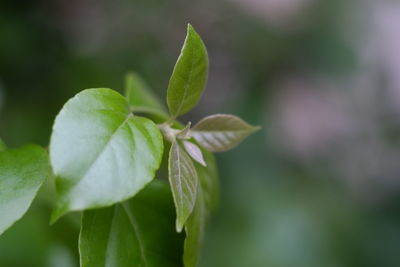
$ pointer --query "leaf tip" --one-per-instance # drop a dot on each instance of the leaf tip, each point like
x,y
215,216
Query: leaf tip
x,y
54,218
256,128
57,213
192,33
189,27
179,226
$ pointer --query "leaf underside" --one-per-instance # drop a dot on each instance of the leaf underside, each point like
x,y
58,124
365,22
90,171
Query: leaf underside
x,y
100,153
194,151
184,182
22,172
221,132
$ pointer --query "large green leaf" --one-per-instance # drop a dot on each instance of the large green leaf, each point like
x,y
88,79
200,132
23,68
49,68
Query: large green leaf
x,y
22,172
140,97
137,233
189,76
184,182
101,154
221,132
2,145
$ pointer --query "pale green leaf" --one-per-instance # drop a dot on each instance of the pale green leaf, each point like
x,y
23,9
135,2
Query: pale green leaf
x,y
221,132
185,132
2,145
22,172
184,182
189,77
101,154
137,233
194,151
140,97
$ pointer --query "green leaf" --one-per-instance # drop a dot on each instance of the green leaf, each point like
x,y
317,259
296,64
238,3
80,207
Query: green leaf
x,y
207,201
209,181
184,182
2,145
100,153
140,97
195,230
139,232
22,172
221,132
194,151
189,77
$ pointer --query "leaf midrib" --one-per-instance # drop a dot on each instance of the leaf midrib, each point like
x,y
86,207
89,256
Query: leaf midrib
x,y
189,79
128,116
135,228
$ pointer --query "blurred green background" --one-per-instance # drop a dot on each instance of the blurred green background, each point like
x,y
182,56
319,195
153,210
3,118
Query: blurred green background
x,y
319,186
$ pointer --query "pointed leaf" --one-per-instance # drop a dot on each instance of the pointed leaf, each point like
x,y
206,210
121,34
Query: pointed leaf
x,y
100,153
184,182
2,145
22,172
194,151
139,232
185,133
221,132
189,76
140,97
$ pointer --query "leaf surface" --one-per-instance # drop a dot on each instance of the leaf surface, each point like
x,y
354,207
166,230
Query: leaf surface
x,y
136,233
184,182
100,153
22,172
221,132
189,76
194,151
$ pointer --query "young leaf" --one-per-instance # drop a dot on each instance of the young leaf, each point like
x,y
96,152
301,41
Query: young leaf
x,y
22,172
2,145
185,132
139,232
184,182
189,76
195,230
221,132
140,97
100,153
194,151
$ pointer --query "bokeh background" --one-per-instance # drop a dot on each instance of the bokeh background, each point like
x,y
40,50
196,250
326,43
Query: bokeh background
x,y
318,186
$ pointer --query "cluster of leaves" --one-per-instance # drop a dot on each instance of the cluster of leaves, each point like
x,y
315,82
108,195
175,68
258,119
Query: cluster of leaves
x,y
104,158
